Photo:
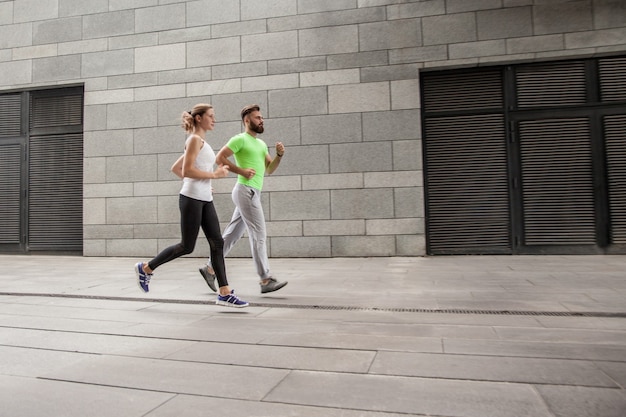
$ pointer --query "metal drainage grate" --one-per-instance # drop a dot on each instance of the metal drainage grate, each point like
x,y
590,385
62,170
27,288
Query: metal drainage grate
x,y
338,308
447,310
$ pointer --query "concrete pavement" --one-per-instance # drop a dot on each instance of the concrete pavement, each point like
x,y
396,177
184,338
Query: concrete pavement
x,y
374,337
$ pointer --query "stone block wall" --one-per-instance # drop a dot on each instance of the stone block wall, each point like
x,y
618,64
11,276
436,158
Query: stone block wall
x,y
337,80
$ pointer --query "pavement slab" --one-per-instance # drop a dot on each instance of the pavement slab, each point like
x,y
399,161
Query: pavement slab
x,y
22,396
195,406
587,336
250,383
410,395
554,350
92,342
616,370
32,362
492,368
583,401
278,357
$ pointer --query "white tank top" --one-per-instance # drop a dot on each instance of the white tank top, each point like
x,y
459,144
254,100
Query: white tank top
x,y
200,189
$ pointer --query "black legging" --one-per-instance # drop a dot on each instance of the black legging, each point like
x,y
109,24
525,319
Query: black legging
x,y
193,215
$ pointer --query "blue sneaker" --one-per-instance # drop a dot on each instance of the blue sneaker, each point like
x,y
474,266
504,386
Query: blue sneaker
x,y
230,300
143,279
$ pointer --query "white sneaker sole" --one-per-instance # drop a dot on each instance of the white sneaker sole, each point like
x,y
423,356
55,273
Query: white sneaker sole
x,y
227,304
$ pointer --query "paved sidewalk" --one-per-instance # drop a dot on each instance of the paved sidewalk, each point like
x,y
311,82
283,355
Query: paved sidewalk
x,y
373,337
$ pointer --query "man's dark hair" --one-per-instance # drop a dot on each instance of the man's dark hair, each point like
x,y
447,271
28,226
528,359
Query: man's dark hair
x,y
249,109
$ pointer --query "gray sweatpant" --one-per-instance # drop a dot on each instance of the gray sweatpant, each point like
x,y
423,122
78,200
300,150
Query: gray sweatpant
x,y
248,216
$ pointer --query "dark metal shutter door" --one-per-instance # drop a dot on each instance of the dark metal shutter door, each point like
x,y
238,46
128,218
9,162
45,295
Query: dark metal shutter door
x,y
55,178
10,168
557,182
10,174
615,139
468,199
55,193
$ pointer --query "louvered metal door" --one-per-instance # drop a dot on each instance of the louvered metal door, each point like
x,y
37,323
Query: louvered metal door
x,y
55,172
615,139
612,74
467,185
55,193
41,171
466,164
571,164
543,168
557,182
10,192
12,141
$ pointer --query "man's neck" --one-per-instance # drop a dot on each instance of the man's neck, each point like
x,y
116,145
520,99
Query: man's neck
x,y
251,133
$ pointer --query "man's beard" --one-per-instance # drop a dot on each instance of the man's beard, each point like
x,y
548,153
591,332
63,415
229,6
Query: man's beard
x,y
256,128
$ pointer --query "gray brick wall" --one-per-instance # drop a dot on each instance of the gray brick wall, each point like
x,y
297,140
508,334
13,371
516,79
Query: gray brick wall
x,y
338,81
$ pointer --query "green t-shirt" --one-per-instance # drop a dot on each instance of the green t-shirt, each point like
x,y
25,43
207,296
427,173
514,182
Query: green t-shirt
x,y
249,152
